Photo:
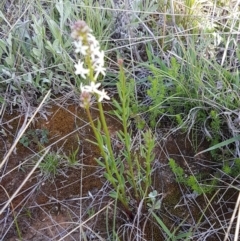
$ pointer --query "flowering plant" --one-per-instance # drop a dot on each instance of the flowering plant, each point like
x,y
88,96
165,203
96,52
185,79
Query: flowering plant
x,y
90,66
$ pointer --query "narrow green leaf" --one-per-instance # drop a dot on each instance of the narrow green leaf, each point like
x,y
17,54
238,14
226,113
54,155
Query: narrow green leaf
x,y
110,178
224,143
3,45
182,236
164,227
100,162
118,116
113,194
54,28
117,105
64,9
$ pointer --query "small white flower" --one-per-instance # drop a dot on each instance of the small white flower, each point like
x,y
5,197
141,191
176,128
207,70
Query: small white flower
x,y
93,87
102,95
81,70
99,69
100,58
92,40
80,48
97,55
83,88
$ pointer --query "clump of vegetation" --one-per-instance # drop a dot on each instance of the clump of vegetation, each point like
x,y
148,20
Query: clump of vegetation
x,y
193,182
35,136
233,169
50,165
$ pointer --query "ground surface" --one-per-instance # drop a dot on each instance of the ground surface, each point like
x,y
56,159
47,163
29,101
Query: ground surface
x,y
48,207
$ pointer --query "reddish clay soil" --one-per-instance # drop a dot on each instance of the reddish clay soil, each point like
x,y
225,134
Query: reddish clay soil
x,y
49,208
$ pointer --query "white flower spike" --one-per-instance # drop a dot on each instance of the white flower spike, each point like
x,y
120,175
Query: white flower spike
x,y
87,45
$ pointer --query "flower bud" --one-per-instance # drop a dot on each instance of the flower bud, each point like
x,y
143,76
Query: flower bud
x,y
85,99
79,29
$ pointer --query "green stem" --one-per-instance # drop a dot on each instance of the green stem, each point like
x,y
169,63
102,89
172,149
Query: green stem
x,y
148,172
149,147
100,145
122,194
109,146
125,116
105,129
95,132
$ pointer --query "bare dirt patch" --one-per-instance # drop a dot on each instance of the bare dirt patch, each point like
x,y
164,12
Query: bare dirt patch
x,y
54,207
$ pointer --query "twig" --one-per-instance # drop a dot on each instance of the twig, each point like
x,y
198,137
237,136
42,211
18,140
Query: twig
x,y
237,207
23,130
23,183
